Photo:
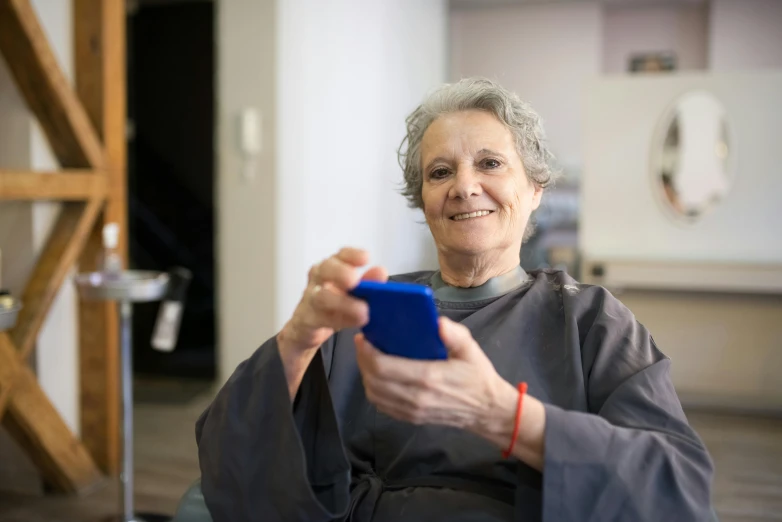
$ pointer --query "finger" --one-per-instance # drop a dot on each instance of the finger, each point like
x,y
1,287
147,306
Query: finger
x,y
343,275
364,354
385,391
409,402
457,339
353,256
340,319
367,356
399,369
420,416
313,276
425,409
398,413
376,273
336,306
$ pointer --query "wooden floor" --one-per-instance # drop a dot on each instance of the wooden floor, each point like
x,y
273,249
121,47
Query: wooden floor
x,y
747,452
166,464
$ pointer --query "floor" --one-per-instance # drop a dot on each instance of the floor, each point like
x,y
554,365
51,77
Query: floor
x,y
166,464
747,452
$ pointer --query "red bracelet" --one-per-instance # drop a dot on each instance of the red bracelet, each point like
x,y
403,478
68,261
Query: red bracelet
x,y
522,390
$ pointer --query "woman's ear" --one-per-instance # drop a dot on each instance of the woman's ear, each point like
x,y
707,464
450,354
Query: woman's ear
x,y
537,194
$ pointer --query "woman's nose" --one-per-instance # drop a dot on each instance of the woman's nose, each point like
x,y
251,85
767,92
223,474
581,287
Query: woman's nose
x,y
466,183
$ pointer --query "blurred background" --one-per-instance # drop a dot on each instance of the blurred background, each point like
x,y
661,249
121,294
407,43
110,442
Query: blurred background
x,y
262,137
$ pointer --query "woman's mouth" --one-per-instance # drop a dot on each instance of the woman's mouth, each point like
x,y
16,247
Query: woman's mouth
x,y
471,215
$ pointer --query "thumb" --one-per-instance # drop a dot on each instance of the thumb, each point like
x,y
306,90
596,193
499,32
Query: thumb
x,y
376,273
458,340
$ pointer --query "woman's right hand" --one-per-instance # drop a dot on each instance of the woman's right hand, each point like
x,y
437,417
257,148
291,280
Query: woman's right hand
x,y
326,307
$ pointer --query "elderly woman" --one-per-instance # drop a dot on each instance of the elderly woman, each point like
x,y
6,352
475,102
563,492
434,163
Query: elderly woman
x,y
554,403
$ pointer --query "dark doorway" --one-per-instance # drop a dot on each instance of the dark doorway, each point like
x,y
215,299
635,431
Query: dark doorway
x,y
171,74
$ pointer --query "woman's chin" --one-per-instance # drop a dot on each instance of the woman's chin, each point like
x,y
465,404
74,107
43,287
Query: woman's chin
x,y
472,247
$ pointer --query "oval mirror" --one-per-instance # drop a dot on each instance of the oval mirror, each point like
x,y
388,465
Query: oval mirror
x,y
690,157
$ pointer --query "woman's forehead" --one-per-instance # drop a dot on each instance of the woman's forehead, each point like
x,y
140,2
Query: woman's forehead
x,y
466,131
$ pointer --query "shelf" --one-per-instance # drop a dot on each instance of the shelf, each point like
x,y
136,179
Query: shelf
x,y
740,278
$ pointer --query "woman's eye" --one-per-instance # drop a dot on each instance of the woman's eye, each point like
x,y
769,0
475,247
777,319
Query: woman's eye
x,y
438,173
490,163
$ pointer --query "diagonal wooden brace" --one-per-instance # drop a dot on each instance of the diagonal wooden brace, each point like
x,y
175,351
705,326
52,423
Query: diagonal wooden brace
x,y
35,424
85,126
44,87
59,255
30,417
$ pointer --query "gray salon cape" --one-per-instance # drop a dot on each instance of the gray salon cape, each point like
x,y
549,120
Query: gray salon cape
x,y
617,443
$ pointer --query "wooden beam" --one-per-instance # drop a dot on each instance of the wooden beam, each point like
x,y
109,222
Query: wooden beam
x,y
99,52
99,29
43,85
35,424
76,185
99,32
7,380
5,394
99,369
58,256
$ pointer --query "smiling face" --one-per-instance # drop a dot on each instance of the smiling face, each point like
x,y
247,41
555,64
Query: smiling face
x,y
477,197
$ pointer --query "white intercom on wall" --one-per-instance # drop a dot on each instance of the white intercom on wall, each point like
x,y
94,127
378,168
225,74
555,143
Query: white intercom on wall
x,y
250,140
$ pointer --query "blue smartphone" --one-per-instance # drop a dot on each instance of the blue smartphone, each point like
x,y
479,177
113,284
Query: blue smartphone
x,y
402,319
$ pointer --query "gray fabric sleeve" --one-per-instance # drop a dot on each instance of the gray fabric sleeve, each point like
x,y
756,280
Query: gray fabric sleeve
x,y
262,459
633,456
636,460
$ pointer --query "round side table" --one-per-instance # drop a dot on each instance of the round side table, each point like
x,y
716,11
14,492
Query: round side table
x,y
126,288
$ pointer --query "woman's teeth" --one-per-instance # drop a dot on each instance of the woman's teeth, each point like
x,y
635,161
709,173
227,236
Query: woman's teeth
x,y
468,215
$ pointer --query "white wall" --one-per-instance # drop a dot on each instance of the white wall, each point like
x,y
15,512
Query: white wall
x,y
334,82
16,242
725,348
24,227
745,34
629,29
57,355
245,209
348,74
544,53
617,195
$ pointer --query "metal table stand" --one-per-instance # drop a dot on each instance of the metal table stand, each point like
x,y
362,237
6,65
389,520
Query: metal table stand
x,y
9,310
127,287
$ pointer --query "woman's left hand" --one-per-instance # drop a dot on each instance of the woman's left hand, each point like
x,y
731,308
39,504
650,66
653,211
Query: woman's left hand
x,y
464,391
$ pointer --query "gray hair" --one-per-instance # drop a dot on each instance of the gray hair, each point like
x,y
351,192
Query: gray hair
x,y
476,94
